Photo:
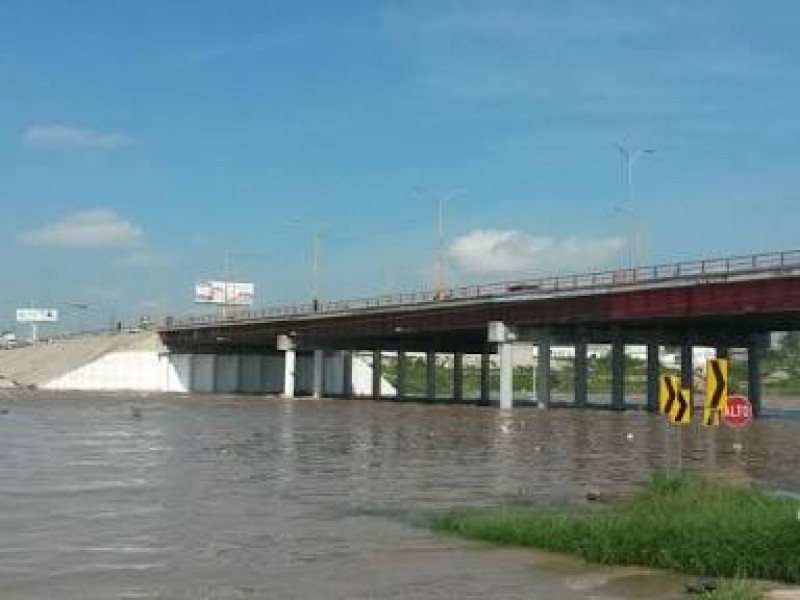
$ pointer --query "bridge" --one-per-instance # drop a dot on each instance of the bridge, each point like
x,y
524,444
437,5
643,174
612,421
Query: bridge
x,y
723,303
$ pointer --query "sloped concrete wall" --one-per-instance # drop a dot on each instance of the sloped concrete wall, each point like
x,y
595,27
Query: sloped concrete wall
x,y
145,371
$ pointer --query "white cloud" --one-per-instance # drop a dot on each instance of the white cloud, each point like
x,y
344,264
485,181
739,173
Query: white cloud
x,y
490,251
99,228
64,137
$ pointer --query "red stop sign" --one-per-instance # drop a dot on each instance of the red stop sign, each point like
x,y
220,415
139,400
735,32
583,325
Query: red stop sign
x,y
739,412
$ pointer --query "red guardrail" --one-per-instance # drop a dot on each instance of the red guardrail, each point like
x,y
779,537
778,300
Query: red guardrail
x,y
714,269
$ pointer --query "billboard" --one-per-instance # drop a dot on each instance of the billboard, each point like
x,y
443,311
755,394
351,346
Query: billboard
x,y
37,315
224,292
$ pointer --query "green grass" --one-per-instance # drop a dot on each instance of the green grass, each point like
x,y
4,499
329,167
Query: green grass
x,y
735,589
685,524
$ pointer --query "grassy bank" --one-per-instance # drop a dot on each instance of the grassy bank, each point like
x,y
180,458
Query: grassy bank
x,y
685,524
735,589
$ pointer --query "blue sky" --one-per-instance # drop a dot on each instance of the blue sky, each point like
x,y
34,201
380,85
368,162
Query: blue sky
x,y
140,141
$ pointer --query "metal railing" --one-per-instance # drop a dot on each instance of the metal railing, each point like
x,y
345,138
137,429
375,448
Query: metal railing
x,y
716,269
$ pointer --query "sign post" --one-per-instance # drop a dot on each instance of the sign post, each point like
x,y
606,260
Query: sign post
x,y
34,316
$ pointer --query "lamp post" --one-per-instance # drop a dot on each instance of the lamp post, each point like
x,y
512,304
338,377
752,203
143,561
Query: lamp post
x,y
629,156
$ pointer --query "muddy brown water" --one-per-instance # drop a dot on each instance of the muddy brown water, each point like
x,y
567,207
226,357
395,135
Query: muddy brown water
x,y
131,496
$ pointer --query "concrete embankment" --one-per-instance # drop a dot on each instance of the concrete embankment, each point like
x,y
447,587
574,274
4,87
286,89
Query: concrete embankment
x,y
45,364
141,362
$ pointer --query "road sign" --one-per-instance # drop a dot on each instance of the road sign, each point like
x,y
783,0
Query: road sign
x,y
37,315
739,412
675,402
716,391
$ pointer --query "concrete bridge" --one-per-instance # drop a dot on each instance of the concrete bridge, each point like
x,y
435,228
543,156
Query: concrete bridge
x,y
723,303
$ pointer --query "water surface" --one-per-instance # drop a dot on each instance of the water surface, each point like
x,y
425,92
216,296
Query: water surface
x,y
132,496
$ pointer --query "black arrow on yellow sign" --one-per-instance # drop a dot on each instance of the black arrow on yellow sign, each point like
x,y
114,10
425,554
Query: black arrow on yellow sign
x,y
716,391
684,412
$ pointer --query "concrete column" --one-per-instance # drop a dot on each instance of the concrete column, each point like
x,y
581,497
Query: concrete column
x,y
486,387
430,375
347,375
543,372
289,361
754,377
458,376
653,371
687,370
581,374
402,364
317,376
506,375
376,374
618,375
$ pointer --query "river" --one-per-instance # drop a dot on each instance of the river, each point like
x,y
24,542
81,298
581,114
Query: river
x,y
192,497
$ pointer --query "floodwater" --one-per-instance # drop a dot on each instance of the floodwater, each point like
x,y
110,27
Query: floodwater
x,y
193,497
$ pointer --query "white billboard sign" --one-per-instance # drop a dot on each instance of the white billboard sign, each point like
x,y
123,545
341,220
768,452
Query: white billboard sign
x,y
37,315
224,292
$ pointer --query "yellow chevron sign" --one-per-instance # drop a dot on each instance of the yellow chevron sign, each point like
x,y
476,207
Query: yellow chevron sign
x,y
716,391
675,403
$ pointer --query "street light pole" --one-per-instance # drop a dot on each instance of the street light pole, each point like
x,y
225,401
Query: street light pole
x,y
439,275
315,270
629,156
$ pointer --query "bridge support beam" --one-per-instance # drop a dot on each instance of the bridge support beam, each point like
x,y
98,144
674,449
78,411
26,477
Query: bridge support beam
x,y
687,370
430,375
289,365
347,374
754,376
402,366
543,372
618,375
581,374
458,376
377,360
653,369
317,378
506,375
486,382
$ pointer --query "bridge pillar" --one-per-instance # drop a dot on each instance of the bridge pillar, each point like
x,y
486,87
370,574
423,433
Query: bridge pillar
x,y
377,367
687,370
618,375
506,350
458,376
486,382
543,372
754,376
430,375
317,374
289,364
581,374
347,373
653,370
402,369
